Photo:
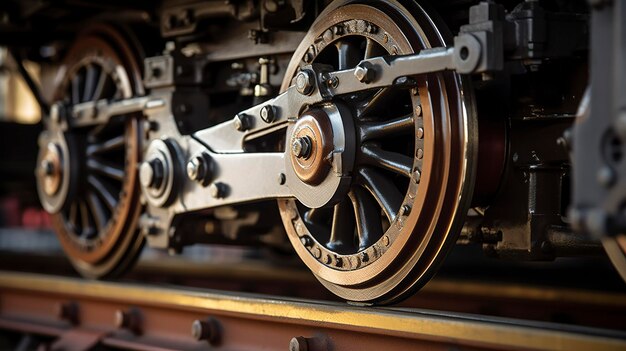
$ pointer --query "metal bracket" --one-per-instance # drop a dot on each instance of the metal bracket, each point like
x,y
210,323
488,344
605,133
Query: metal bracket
x,y
599,138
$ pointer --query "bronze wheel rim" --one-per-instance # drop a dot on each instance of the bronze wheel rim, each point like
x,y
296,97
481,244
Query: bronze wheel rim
x,y
97,227
387,265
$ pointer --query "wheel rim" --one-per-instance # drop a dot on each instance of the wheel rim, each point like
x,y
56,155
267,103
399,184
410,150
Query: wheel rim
x,y
97,226
378,242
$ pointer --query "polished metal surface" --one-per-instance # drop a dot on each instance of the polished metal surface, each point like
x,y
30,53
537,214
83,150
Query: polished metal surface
x,y
239,315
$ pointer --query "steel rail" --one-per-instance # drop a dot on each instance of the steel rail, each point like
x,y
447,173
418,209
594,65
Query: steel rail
x,y
160,318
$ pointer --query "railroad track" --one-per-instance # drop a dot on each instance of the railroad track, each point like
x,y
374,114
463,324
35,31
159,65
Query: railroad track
x,y
79,314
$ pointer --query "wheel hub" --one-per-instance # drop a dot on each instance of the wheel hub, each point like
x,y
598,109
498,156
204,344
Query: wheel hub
x,y
51,168
321,154
311,146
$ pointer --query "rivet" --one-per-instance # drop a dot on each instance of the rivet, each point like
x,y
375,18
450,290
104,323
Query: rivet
x,y
205,330
281,178
419,154
417,175
299,343
420,133
333,82
308,57
406,209
130,320
67,311
606,176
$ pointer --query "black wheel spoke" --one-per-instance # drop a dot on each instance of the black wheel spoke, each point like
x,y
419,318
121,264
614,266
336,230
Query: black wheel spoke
x,y
103,191
392,161
349,54
367,212
384,191
73,216
108,170
99,89
342,227
370,47
313,215
392,127
90,82
115,143
76,89
97,209
380,102
87,225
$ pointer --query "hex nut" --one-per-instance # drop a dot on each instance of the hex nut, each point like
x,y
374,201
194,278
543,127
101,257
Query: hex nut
x,y
218,190
268,113
364,72
304,82
242,122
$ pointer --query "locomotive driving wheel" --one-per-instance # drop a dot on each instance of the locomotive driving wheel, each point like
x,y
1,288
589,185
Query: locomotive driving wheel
x,y
414,152
87,176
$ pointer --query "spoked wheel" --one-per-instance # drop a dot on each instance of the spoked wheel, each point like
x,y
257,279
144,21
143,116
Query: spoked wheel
x,y
87,177
414,158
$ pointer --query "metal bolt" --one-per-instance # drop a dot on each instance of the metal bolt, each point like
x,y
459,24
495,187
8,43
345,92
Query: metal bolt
x,y
67,311
205,330
420,133
306,241
304,82
420,154
406,209
364,72
281,178
218,190
151,173
606,176
301,147
151,229
333,82
198,169
268,113
242,122
130,320
299,343
195,168
417,175
308,57
47,167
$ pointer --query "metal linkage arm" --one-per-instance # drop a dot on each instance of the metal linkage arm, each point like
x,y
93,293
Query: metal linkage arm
x,y
99,112
318,83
